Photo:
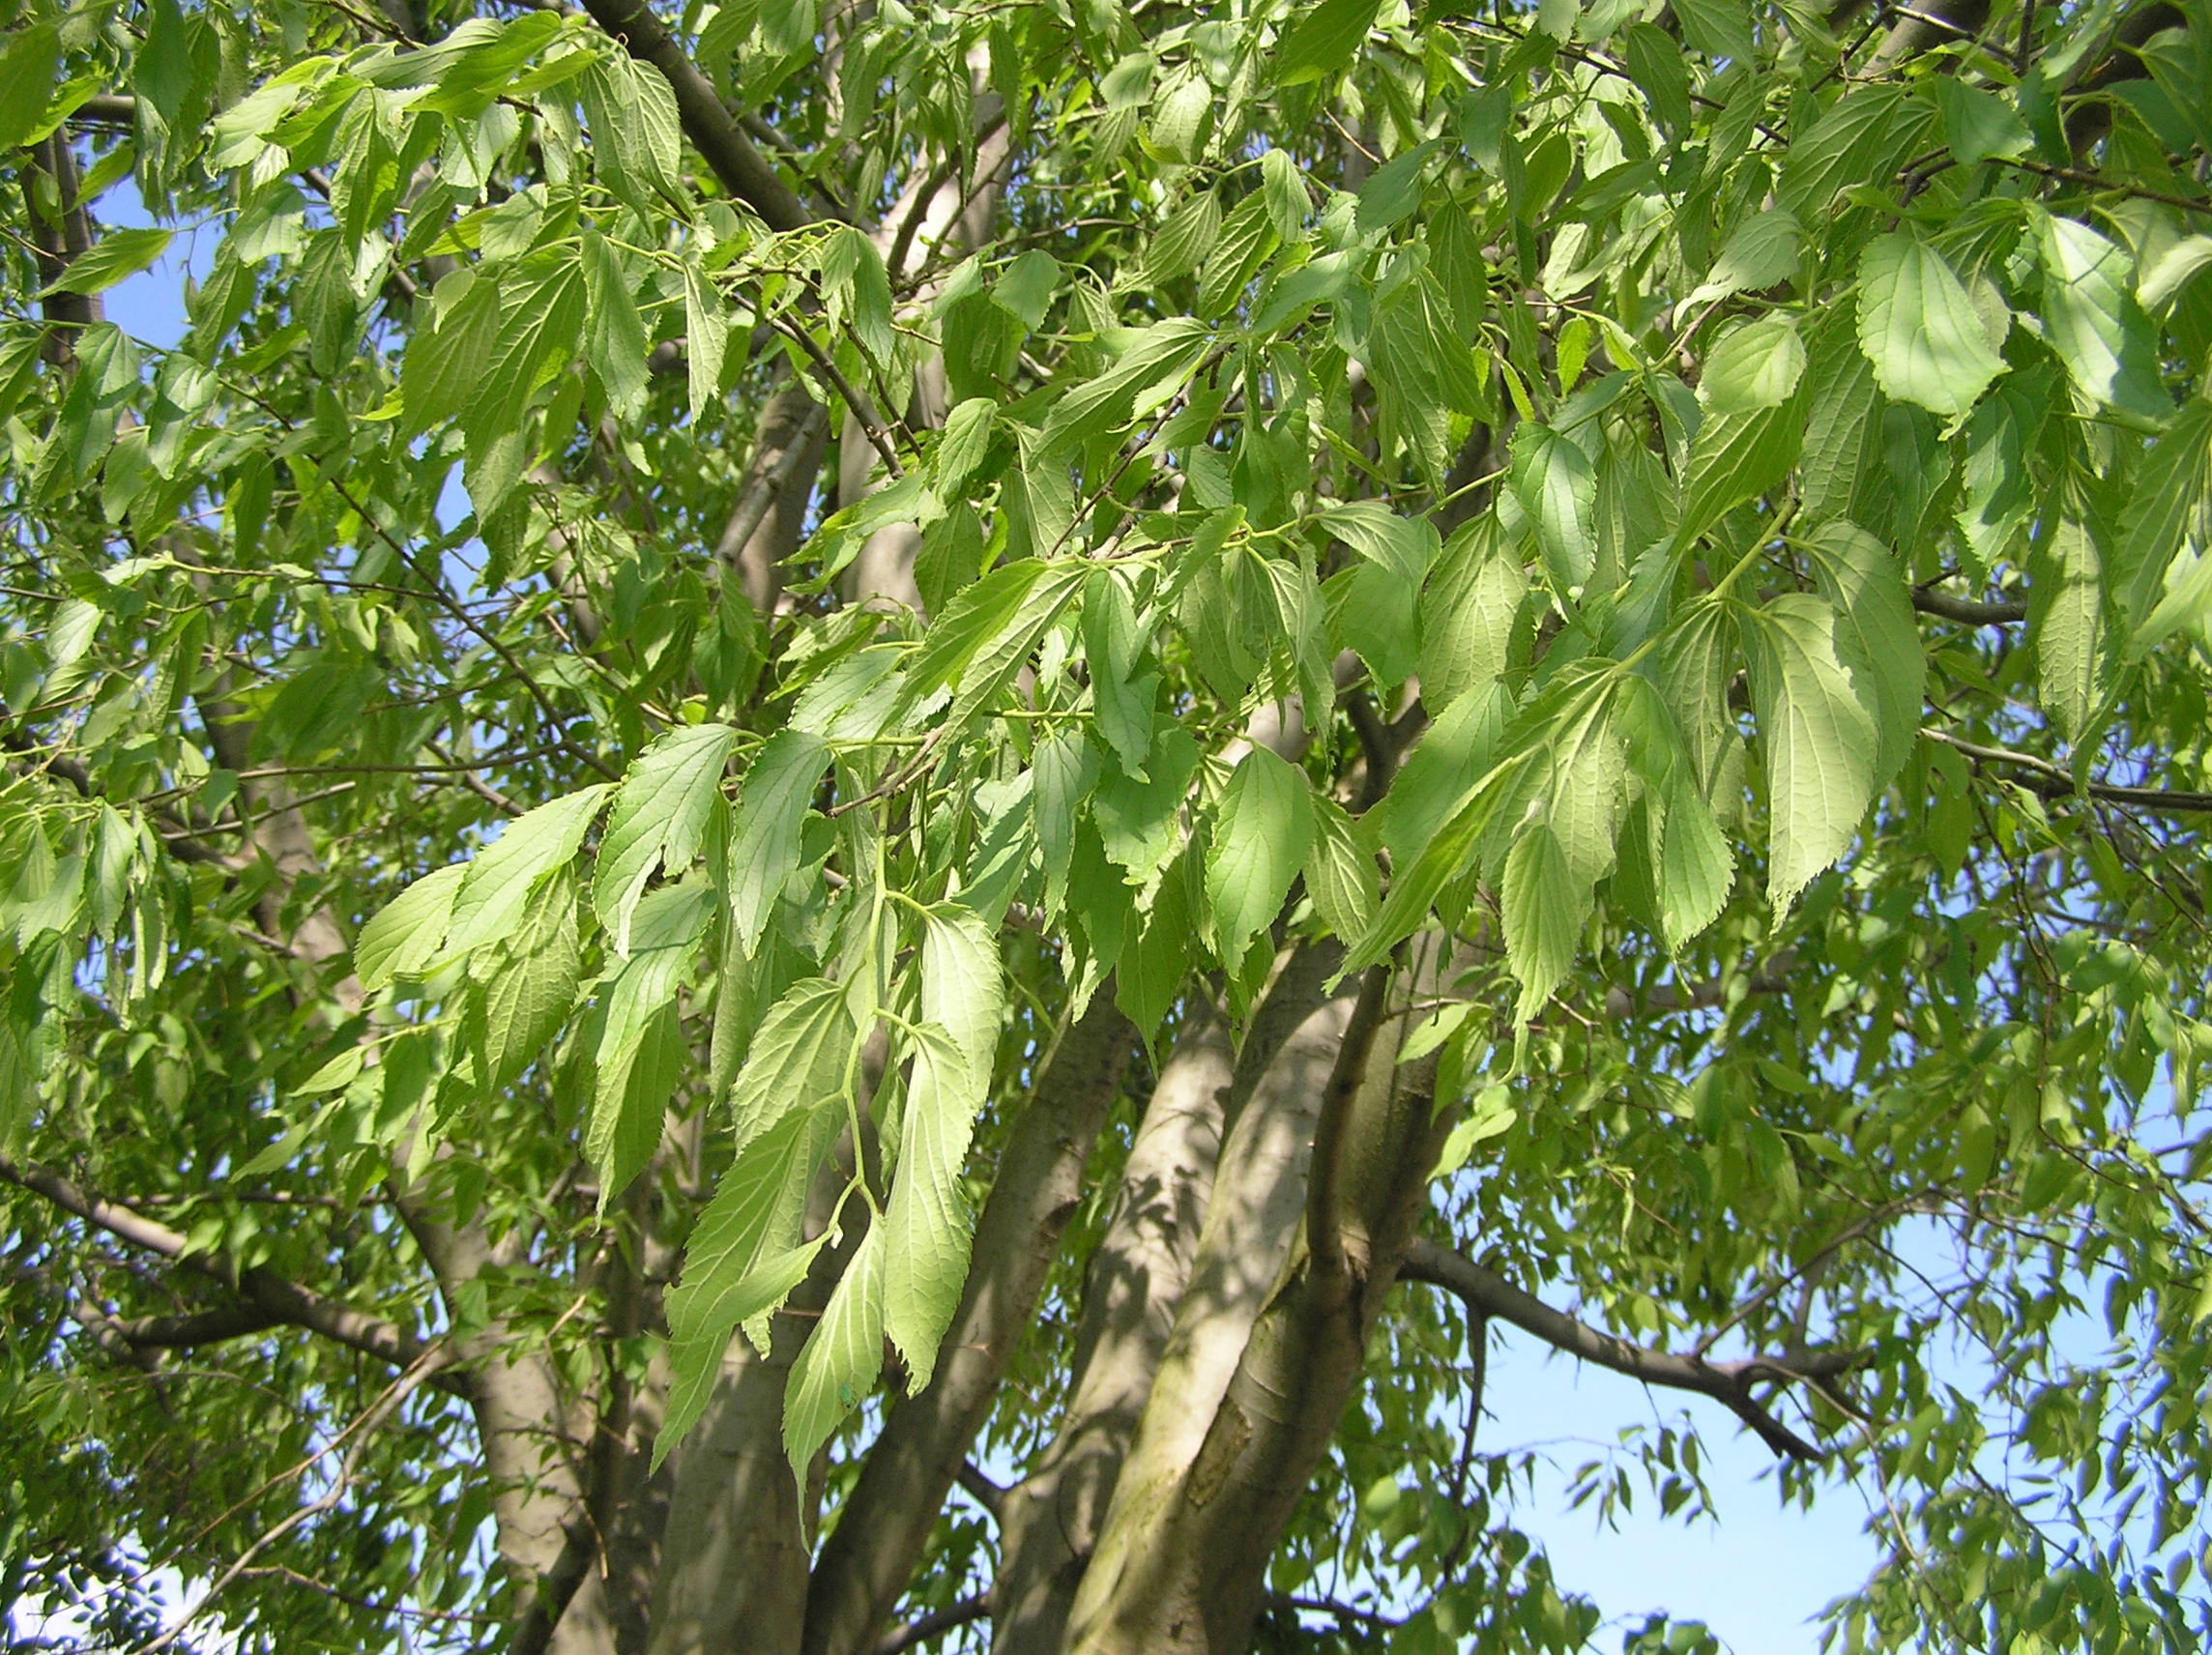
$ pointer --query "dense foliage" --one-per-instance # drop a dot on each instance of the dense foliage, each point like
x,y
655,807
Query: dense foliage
x,y
820,749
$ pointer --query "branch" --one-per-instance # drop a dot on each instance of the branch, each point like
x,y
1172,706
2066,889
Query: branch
x,y
856,399
1376,745
188,1331
1324,1237
2055,781
1349,1613
785,448
1967,611
742,168
923,1628
980,1489
422,1369
283,1301
1773,977
57,241
1485,1293
107,109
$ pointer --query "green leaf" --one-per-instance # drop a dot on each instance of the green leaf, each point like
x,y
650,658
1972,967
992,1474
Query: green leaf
x,y
1340,871
838,1365
1695,865
1433,782
1840,422
1373,613
1391,194
118,255
1764,250
798,1060
1735,457
1405,546
30,60
1139,821
1818,740
1863,136
773,802
1978,124
659,815
1261,840
2066,625
1918,328
1721,29
1325,39
1655,65
632,1096
1155,956
1285,188
1062,769
1470,614
637,137
696,1364
1754,366
926,1220
446,363
1876,636
1997,498
1695,666
404,938
614,335
2092,320
2169,504
1587,770
707,338
529,988
1542,911
967,438
980,613
1183,242
1552,478
859,289
1151,366
2187,601
2164,276
738,1260
1122,695
502,877
664,944
1248,235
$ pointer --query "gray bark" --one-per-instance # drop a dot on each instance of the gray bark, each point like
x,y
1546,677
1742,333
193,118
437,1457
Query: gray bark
x,y
1129,1590
1049,1522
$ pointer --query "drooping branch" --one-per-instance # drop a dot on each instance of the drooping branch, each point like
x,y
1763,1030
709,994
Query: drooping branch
x,y
281,1301
742,168
1486,1293
884,1527
2047,780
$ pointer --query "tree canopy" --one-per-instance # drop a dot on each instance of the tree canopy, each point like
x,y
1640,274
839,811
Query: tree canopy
x,y
851,825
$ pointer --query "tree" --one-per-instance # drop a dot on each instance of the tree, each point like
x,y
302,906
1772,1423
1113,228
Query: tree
x,y
1132,724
